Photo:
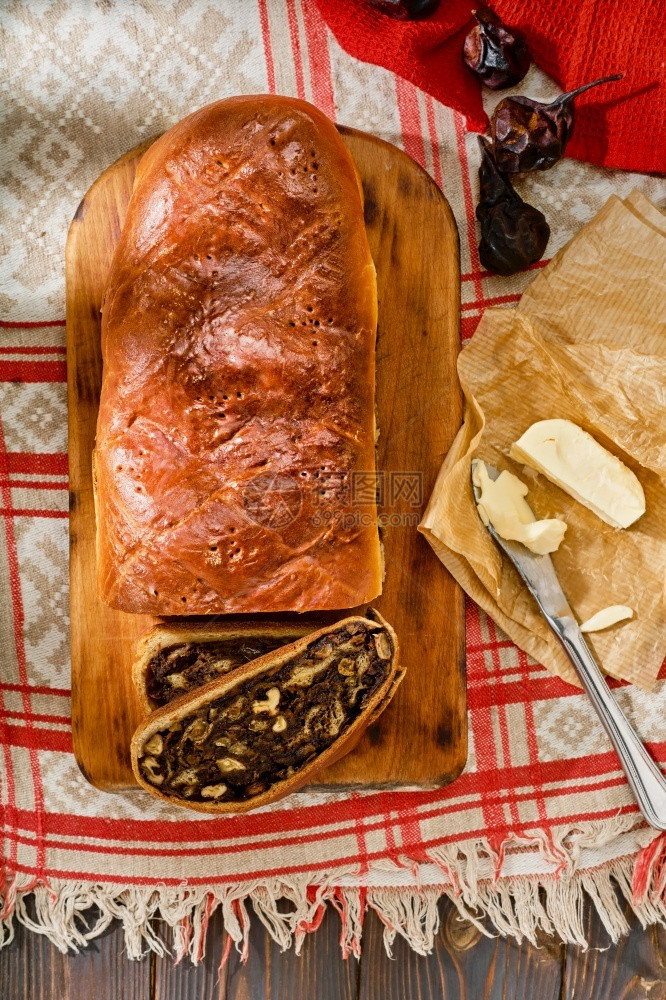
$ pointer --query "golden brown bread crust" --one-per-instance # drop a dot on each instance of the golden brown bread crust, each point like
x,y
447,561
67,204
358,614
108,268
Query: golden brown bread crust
x,y
237,400
189,704
164,636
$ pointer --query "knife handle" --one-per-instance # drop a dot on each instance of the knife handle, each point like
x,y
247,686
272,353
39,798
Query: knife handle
x,y
642,773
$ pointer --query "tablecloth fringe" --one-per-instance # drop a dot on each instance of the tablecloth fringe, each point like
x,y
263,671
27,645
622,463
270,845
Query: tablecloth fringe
x,y
72,913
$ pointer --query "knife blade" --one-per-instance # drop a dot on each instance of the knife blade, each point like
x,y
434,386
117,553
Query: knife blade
x,y
539,575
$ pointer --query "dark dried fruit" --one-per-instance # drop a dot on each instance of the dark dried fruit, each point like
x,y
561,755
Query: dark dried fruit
x,y
530,135
513,233
175,670
406,10
495,53
253,729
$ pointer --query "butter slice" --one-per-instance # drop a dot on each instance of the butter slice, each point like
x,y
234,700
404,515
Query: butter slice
x,y
502,504
574,461
607,617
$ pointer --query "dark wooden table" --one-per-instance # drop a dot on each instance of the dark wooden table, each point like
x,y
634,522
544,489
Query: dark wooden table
x,y
465,965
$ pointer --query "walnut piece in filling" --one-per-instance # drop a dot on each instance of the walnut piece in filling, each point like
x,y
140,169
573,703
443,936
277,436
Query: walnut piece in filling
x,y
184,666
268,726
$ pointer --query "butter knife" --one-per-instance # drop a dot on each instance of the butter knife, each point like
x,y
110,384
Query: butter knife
x,y
538,572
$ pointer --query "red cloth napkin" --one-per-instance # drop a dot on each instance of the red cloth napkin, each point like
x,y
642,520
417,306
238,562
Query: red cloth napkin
x,y
620,125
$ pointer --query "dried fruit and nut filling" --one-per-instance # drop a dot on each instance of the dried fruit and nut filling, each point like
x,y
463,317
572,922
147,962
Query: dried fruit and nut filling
x,y
267,728
178,669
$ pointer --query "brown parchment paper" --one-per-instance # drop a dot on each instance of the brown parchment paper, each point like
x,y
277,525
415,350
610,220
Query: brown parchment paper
x,y
586,342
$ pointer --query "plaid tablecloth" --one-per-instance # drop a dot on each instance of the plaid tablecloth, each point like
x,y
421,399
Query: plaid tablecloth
x,y
542,802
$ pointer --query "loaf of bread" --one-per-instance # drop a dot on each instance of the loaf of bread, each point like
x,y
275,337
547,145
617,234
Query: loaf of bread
x,y
235,441
172,660
264,729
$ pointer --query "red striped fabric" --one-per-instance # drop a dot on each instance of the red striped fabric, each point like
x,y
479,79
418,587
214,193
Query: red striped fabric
x,y
497,788
33,371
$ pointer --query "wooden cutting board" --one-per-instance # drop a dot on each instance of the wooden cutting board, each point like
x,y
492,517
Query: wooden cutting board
x,y
422,738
